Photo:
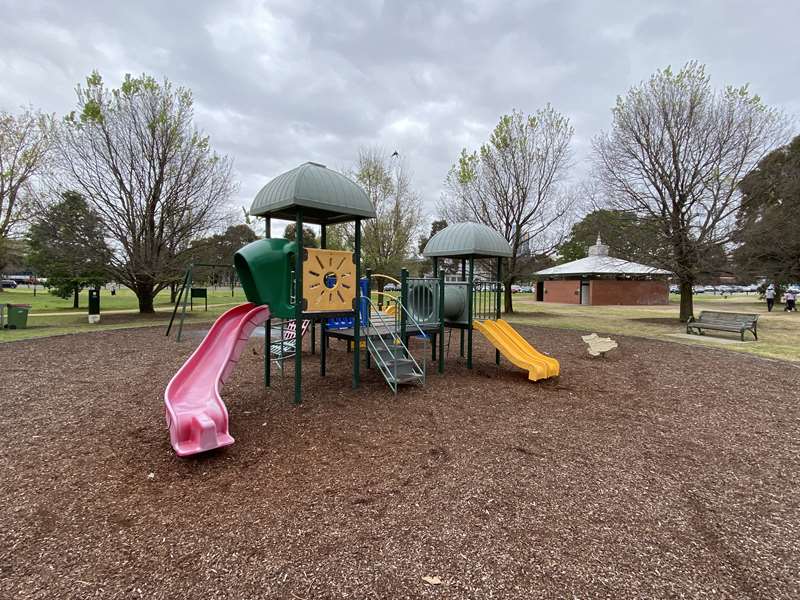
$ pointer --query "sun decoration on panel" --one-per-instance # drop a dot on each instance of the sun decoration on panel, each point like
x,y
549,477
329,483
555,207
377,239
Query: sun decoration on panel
x,y
330,281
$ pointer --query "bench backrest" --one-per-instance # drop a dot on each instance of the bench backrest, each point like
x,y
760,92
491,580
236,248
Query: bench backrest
x,y
727,317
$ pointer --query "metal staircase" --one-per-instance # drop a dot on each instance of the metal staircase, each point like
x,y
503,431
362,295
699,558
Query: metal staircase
x,y
385,344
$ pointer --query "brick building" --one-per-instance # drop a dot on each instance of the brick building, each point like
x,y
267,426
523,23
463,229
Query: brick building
x,y
601,279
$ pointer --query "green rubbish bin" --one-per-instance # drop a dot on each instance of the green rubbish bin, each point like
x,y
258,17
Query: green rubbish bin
x,y
18,316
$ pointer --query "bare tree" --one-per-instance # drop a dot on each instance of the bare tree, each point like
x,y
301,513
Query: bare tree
x,y
151,175
515,183
25,142
388,240
675,155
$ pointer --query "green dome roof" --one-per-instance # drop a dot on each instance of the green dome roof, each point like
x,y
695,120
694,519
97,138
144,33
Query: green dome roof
x,y
324,195
467,239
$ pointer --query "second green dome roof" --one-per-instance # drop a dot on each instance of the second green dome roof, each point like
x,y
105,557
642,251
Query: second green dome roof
x,y
467,239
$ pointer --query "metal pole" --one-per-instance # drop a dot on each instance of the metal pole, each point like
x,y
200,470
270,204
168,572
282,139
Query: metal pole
x,y
298,308
470,301
189,283
267,228
357,315
403,304
441,322
369,308
461,329
323,355
497,302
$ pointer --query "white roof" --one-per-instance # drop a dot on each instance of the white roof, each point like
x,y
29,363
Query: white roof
x,y
600,263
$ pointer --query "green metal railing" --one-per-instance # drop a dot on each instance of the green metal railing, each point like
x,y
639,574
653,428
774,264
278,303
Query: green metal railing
x,y
486,300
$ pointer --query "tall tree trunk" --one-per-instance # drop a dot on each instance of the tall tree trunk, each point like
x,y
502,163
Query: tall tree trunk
x,y
75,296
508,307
145,296
687,300
173,292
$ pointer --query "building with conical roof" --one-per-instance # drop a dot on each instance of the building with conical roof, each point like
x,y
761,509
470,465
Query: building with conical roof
x,y
601,279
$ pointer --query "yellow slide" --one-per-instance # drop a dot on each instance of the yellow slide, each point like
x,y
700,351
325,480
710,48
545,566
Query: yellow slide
x,y
517,349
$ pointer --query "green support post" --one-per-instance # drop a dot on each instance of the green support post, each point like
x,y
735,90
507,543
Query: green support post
x,y
441,322
403,303
461,329
369,308
497,301
267,324
357,315
323,354
298,309
470,303
323,348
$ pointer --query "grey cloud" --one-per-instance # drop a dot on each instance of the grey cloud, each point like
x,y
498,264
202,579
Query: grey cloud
x,y
278,83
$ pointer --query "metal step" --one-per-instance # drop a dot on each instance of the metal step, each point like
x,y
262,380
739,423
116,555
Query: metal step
x,y
389,354
406,372
392,357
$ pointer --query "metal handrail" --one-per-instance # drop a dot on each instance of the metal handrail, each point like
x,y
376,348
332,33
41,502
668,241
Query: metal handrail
x,y
396,340
414,322
382,363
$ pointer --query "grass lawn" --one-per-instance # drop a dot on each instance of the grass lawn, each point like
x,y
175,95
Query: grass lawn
x,y
50,315
778,331
124,299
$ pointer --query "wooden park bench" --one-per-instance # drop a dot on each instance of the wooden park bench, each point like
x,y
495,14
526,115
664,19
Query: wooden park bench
x,y
723,321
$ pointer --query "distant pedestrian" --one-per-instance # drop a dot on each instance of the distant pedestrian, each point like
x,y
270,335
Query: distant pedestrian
x,y
770,296
791,297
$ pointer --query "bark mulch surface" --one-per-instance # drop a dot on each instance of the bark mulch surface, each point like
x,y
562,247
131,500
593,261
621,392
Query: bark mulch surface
x,y
661,471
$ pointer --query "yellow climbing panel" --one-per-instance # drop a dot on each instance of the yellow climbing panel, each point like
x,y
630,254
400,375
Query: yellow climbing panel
x,y
329,280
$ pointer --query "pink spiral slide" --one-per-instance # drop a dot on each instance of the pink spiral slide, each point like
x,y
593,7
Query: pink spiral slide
x,y
196,415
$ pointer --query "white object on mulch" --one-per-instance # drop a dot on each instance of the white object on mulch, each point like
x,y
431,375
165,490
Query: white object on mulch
x,y
598,346
432,580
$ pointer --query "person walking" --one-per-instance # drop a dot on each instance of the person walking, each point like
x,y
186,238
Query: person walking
x,y
770,296
791,296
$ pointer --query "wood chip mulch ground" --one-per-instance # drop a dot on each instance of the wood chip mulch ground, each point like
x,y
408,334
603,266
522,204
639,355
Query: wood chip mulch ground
x,y
663,471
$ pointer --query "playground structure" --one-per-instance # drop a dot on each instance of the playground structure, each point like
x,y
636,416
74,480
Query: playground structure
x,y
281,279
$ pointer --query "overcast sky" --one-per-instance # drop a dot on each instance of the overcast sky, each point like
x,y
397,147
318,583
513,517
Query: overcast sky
x,y
279,83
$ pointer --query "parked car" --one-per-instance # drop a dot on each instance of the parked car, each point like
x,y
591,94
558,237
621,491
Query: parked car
x,y
674,289
391,287
699,289
8,283
515,289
